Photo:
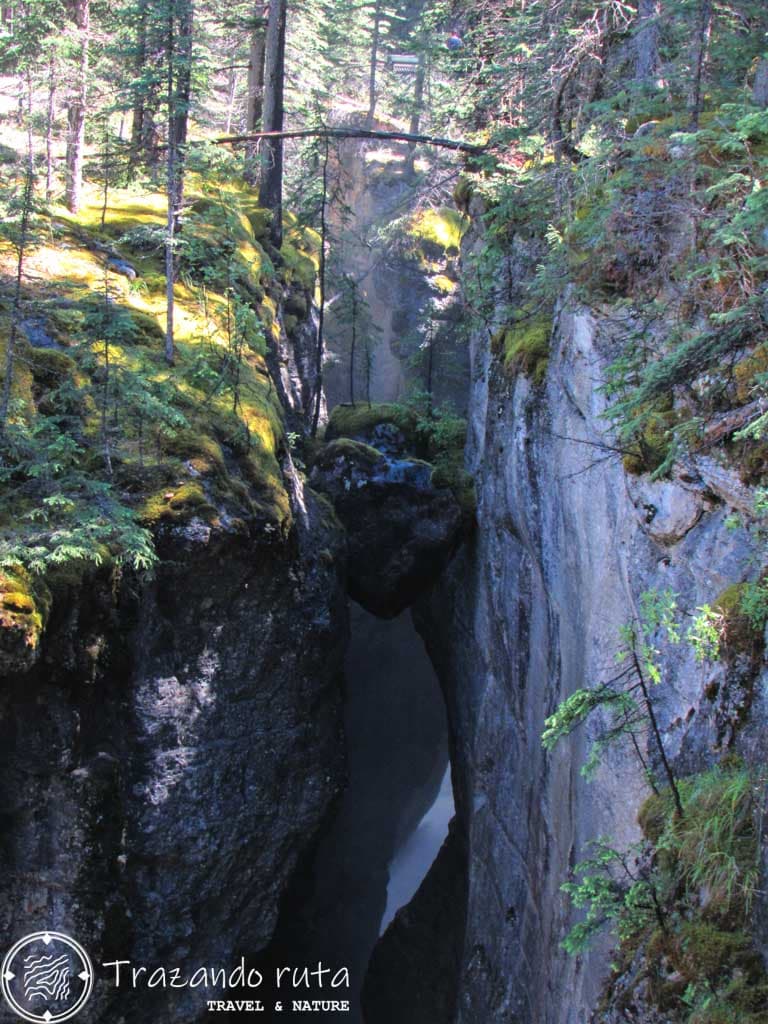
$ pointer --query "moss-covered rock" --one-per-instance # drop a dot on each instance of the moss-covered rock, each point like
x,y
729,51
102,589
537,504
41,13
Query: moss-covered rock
x,y
360,419
199,440
651,445
401,528
395,428
354,452
746,372
523,346
439,231
296,305
463,191
24,607
739,632
49,366
711,953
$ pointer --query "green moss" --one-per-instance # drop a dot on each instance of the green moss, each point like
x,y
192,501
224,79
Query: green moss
x,y
463,191
751,459
25,603
296,305
299,269
746,371
144,329
443,284
740,633
260,219
198,448
654,814
708,952
442,228
49,367
354,451
704,874
452,475
358,420
181,503
18,602
524,346
179,449
651,446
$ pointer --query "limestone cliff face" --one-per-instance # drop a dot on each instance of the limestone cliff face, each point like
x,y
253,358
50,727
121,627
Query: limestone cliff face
x,y
528,612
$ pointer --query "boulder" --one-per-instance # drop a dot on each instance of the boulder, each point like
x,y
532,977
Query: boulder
x,y
401,528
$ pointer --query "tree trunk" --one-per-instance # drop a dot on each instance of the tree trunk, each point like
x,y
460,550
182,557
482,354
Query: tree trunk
x,y
170,186
105,171
760,88
430,367
148,75
646,42
26,210
374,61
256,56
182,61
271,187
353,346
137,125
105,441
50,117
701,39
178,87
321,311
231,94
255,100
81,15
418,105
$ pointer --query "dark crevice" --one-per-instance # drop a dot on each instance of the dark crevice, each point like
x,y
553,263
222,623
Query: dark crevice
x,y
397,746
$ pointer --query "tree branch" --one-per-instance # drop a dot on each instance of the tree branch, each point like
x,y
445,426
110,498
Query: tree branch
x,y
348,133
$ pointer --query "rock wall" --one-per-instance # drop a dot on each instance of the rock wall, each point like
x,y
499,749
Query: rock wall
x,y
374,188
159,790
529,611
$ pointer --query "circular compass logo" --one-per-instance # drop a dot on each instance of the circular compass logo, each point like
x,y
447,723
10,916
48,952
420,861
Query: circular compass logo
x,y
46,977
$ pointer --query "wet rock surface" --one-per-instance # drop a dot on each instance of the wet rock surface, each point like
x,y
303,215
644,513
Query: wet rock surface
x,y
401,529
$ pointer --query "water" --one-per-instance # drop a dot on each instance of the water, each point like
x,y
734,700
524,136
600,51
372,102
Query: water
x,y
415,857
393,816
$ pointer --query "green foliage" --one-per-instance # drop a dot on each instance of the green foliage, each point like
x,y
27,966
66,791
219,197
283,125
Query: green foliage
x,y
754,604
612,898
579,706
714,846
682,897
70,517
705,633
625,701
